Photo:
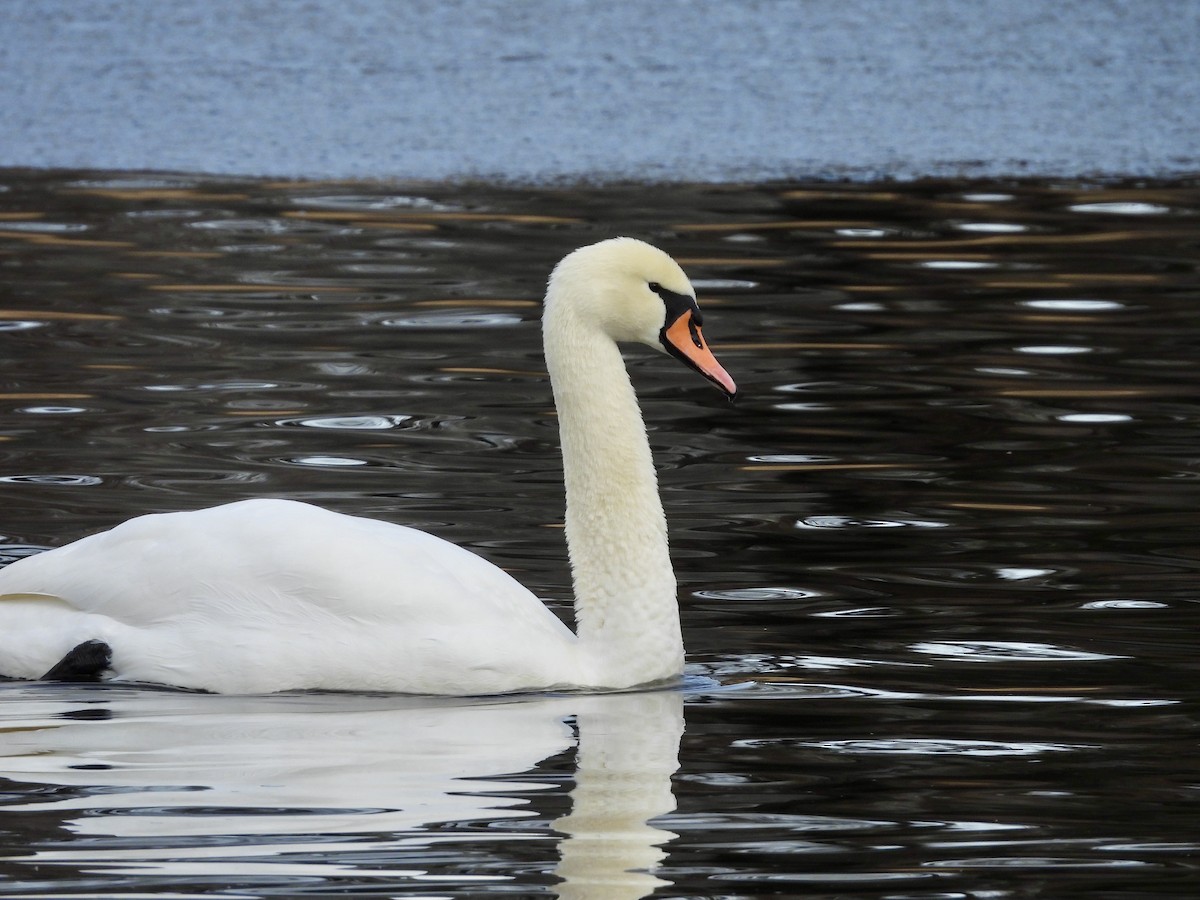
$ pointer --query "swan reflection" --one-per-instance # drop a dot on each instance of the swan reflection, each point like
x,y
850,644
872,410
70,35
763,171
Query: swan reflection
x,y
257,789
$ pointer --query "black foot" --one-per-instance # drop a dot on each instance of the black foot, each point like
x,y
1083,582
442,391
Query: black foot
x,y
85,662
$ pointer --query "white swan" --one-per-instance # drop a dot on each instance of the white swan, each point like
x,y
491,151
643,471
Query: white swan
x,y
270,595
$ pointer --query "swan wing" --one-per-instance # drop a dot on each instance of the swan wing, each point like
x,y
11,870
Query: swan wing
x,y
271,585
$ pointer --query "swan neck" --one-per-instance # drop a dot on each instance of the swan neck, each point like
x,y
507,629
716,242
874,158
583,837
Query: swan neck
x,y
626,606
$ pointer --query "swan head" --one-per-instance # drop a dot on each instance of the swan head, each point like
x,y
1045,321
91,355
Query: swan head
x,y
632,291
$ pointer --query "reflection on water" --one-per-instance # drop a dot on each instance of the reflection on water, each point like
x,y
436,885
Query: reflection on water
x,y
154,786
938,567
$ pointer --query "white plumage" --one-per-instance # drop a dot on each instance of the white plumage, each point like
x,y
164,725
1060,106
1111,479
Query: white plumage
x,y
268,595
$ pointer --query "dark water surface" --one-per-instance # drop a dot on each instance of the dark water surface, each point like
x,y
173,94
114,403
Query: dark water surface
x,y
938,566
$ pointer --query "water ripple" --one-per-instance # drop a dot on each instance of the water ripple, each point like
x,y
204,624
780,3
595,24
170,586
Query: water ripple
x,y
937,567
827,521
944,746
454,320
350,423
53,480
1006,651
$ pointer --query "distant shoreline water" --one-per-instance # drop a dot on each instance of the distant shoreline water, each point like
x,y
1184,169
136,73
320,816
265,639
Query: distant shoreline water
x,y
537,92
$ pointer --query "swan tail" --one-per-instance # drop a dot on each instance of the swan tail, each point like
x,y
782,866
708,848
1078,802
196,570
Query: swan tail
x,y
83,662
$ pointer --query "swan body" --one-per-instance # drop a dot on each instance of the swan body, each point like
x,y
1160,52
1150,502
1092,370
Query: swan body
x,y
268,595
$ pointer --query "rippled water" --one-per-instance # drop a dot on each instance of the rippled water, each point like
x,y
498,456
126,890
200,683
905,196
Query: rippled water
x,y
938,566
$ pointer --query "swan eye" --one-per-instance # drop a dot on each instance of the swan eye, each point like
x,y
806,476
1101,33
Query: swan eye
x,y
674,302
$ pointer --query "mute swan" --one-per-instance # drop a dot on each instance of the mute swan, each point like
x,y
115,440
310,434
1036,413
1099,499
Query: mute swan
x,y
270,595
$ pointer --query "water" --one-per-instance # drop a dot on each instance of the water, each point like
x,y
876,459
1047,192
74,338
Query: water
x,y
938,565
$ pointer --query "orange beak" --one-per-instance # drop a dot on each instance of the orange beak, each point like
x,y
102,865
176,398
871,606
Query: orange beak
x,y
683,340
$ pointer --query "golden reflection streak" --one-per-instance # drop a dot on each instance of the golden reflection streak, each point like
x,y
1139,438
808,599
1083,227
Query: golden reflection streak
x,y
1166,198
468,302
45,396
1071,281
54,240
394,226
1084,392
788,224
158,194
999,507
292,184
177,254
421,217
342,215
821,467
812,194
57,316
1075,278
21,216
484,370
1007,240
919,256
1025,285
251,288
716,261
1076,319
726,347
